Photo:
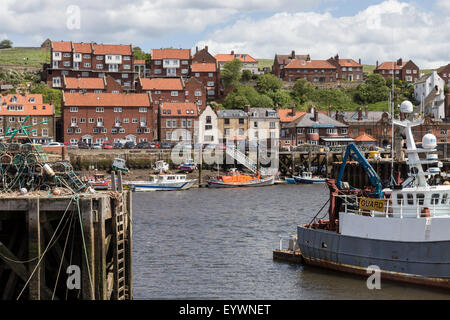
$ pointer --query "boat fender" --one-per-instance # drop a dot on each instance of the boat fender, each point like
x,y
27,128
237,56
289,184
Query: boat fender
x,y
425,213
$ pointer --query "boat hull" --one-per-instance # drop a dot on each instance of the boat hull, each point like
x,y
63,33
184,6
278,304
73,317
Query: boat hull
x,y
308,181
176,186
259,183
290,180
425,263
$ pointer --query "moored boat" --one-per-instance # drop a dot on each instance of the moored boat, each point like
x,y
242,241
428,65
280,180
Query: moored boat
x,y
401,230
289,180
236,179
98,181
162,182
306,177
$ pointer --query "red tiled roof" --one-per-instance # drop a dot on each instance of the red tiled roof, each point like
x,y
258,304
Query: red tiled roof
x,y
349,63
203,67
285,115
62,46
159,54
122,49
312,64
231,57
84,83
36,108
388,66
365,138
161,84
82,47
139,62
106,99
179,109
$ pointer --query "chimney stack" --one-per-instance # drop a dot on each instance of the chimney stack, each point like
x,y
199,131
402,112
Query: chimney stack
x,y
316,115
359,60
336,57
359,113
232,52
293,111
311,109
377,65
399,62
330,110
293,54
247,108
206,48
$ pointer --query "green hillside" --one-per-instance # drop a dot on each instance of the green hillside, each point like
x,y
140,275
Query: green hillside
x,y
33,57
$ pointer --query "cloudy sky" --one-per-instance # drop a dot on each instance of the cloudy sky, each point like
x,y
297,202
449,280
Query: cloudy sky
x,y
367,29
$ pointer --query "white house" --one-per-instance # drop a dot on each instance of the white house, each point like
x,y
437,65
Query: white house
x,y
207,131
429,91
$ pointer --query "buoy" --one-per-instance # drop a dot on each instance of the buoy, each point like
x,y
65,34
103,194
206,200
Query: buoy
x,y
56,192
23,191
48,170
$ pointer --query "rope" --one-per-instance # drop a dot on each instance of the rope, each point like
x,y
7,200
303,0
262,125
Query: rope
x,y
318,212
62,256
45,251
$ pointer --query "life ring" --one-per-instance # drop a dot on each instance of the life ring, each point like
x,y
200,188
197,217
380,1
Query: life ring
x,y
425,213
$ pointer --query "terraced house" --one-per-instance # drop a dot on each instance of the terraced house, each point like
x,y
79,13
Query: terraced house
x,y
91,60
14,109
248,62
100,117
316,71
347,69
176,121
204,68
95,85
404,71
173,90
282,60
170,62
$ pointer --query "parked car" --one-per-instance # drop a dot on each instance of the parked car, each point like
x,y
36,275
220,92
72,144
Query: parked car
x,y
96,146
129,145
72,146
117,145
107,145
83,145
143,145
165,145
54,144
188,166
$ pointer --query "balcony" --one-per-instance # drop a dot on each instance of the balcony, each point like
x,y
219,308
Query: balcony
x,y
143,124
74,124
100,124
117,124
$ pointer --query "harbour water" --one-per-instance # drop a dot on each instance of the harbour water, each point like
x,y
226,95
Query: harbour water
x,y
217,244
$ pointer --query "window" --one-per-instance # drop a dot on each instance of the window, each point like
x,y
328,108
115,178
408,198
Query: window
x,y
174,123
435,198
344,130
241,120
208,119
174,93
78,130
126,120
121,130
272,125
91,120
168,123
210,84
126,67
210,74
198,93
184,71
184,62
400,199
87,64
410,198
99,66
134,120
444,198
226,121
45,132
299,130
124,75
420,198
73,109
87,56
143,110
114,130
157,71
189,123
82,120
99,109
117,109
66,63
99,57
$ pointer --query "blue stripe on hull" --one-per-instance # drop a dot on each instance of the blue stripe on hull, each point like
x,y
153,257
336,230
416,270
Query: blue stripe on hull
x,y
160,187
426,259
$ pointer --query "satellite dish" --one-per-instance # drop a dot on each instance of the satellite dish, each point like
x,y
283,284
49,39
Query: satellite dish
x,y
406,107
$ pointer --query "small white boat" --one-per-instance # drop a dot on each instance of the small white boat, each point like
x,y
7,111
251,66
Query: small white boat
x,y
162,182
161,166
307,178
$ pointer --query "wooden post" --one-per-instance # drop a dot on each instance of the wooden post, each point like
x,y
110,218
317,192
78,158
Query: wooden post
x,y
87,267
129,246
113,181
120,187
100,250
200,165
34,249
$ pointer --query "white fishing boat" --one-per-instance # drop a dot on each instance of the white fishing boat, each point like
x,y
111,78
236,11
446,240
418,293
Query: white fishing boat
x,y
162,182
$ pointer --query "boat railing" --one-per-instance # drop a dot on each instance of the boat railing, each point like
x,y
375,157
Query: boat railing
x,y
291,241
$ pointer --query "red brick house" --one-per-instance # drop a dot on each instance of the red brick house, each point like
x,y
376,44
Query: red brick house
x,y
347,69
248,62
316,71
14,110
173,90
94,85
204,68
170,62
404,71
91,60
282,60
100,117
176,121
444,73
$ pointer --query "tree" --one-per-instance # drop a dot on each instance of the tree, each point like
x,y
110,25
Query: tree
x,y
280,97
49,95
141,55
372,91
246,75
6,44
231,73
301,90
268,82
243,95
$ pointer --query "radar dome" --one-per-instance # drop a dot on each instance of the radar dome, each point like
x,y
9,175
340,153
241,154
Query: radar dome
x,y
429,141
406,107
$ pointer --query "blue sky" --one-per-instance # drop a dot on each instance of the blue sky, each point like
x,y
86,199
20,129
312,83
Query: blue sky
x,y
370,30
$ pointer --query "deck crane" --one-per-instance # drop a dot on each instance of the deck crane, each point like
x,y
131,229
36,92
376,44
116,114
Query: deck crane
x,y
353,152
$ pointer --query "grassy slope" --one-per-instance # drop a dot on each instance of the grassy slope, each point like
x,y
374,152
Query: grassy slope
x,y
33,57
262,63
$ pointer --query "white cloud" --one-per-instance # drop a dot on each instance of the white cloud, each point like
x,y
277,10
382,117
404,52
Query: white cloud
x,y
443,5
386,31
